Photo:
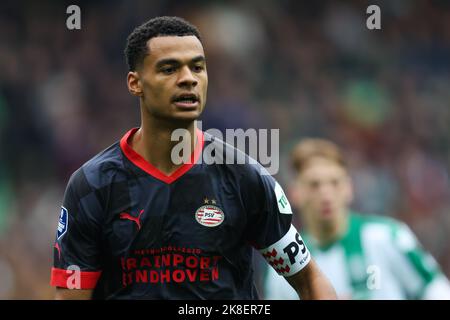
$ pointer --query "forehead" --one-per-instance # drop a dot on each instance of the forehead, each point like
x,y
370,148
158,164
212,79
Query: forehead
x,y
174,47
321,168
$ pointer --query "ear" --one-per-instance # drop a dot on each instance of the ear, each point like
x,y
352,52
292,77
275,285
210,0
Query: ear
x,y
134,84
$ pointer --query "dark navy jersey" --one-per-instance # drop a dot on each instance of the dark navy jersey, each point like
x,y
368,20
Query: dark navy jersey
x,y
128,231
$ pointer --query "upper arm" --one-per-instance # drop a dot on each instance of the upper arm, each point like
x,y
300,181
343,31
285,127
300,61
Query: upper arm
x,y
311,283
77,259
300,280
270,229
68,294
269,213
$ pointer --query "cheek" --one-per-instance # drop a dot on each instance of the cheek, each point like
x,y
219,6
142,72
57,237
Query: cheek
x,y
348,197
155,88
346,193
309,199
205,85
341,198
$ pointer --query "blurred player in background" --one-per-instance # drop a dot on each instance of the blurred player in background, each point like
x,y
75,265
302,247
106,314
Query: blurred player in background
x,y
365,257
139,226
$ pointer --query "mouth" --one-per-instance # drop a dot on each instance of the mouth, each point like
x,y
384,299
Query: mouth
x,y
326,211
186,101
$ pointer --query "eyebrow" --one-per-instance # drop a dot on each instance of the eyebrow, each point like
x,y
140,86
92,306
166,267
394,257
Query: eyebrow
x,y
170,61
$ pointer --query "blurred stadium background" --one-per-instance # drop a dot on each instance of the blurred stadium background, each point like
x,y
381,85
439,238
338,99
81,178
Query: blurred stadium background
x,y
310,68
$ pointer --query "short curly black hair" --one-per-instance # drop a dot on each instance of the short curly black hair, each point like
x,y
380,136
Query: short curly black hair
x,y
136,48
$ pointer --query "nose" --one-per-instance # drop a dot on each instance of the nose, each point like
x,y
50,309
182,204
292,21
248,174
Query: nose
x,y
186,78
325,192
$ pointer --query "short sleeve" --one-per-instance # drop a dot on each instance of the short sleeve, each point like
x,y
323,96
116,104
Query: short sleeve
x,y
270,228
77,250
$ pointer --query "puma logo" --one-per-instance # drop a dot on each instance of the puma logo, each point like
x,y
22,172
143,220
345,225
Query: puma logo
x,y
56,246
137,220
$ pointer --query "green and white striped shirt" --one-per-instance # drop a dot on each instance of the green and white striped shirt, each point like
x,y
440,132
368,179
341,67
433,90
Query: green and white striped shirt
x,y
378,258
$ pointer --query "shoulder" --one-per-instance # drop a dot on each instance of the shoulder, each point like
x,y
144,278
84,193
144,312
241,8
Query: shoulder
x,y
388,223
375,220
386,228
257,188
229,158
100,170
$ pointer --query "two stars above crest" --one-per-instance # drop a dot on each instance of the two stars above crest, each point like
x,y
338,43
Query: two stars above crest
x,y
209,201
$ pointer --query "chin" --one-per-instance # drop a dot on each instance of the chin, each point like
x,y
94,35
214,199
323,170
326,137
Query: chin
x,y
185,117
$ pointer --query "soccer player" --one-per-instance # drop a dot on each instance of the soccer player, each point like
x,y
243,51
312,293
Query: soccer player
x,y
134,224
365,257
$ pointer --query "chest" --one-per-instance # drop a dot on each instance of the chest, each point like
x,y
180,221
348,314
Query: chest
x,y
194,212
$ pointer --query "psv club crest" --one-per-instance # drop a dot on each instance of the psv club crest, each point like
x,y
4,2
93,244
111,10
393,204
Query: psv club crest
x,y
209,215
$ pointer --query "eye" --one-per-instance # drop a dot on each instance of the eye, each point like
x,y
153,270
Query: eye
x,y
168,70
198,68
314,185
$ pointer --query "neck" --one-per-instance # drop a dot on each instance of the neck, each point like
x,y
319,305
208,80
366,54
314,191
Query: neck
x,y
153,141
328,232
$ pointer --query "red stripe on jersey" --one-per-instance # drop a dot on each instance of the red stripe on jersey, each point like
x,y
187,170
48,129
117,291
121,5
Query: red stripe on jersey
x,y
88,279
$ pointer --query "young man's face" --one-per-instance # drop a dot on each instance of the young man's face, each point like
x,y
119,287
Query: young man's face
x,y
324,191
173,78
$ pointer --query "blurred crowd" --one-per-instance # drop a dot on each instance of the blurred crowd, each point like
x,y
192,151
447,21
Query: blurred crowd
x,y
309,68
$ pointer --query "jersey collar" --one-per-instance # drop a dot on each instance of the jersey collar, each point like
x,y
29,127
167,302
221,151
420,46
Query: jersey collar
x,y
144,165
